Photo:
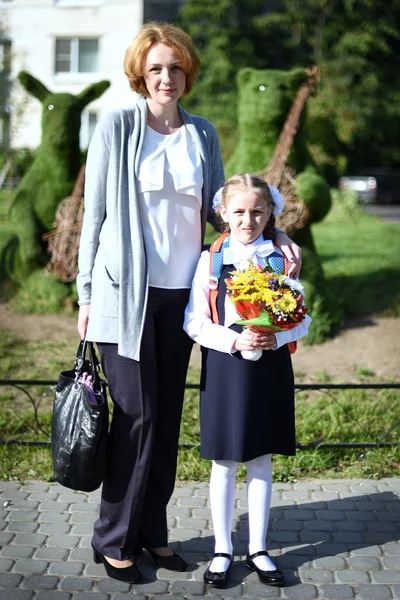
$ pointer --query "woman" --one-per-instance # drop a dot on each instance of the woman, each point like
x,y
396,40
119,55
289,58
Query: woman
x,y
152,171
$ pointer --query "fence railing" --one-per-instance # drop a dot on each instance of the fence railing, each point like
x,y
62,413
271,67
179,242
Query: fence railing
x,y
326,388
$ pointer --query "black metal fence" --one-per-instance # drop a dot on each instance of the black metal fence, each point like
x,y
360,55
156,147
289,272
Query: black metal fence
x,y
327,388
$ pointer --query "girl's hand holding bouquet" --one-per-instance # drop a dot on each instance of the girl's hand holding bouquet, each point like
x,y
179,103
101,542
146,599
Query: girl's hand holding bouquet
x,y
267,302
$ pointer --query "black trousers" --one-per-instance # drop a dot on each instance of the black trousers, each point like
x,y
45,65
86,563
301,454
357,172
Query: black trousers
x,y
144,432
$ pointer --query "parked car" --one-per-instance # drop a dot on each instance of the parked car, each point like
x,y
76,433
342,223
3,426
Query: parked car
x,y
378,185
365,187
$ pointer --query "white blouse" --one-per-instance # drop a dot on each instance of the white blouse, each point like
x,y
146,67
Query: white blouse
x,y
169,184
198,323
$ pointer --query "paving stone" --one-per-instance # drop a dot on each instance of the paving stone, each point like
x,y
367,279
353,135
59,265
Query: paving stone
x,y
391,562
386,576
315,537
82,529
63,541
186,588
392,548
9,580
336,592
366,551
316,576
230,590
366,563
331,515
329,562
89,596
153,587
184,522
66,568
36,486
181,492
319,525
40,582
76,584
292,561
129,597
5,538
110,586
22,515
24,505
352,576
282,525
30,566
84,507
43,497
54,595
16,595
53,516
59,528
81,554
17,551
89,517
181,511
327,549
357,526
300,590
362,515
23,527
51,554
191,502
345,505
184,534
285,536
6,564
8,485
373,592
300,514
348,537
13,495
259,590
54,506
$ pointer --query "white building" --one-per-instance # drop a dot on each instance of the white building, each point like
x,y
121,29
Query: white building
x,y
67,45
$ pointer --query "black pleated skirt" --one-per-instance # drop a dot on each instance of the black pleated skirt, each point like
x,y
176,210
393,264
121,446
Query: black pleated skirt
x,y
246,407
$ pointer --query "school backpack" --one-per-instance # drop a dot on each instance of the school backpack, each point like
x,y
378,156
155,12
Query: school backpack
x,y
275,260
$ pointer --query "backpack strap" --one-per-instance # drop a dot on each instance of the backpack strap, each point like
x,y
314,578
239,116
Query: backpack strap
x,y
216,264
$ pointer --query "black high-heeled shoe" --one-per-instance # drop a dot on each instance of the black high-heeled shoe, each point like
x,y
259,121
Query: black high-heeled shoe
x,y
217,579
172,563
128,574
269,577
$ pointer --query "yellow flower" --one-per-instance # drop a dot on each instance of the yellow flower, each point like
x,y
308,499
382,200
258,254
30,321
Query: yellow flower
x,y
286,304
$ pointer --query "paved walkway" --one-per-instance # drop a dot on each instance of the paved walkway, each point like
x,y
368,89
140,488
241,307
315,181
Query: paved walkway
x,y
333,539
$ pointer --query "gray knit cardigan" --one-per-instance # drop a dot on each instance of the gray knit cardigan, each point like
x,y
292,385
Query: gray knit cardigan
x,y
113,275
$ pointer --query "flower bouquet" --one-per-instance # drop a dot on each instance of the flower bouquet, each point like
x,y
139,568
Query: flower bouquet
x,y
266,301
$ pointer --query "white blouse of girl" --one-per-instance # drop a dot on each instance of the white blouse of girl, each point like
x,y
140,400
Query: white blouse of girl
x,y
246,210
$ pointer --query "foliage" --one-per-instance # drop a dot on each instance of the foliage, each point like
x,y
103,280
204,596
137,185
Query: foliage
x,y
354,119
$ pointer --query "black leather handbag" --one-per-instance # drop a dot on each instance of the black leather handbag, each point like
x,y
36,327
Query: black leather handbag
x,y
79,426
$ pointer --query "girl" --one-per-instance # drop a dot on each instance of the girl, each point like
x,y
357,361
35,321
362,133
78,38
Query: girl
x,y
246,407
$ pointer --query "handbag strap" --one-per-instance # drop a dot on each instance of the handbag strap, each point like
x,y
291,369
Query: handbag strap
x,y
93,361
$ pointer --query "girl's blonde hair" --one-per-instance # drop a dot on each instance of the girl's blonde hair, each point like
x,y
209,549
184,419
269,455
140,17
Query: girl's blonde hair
x,y
254,183
150,35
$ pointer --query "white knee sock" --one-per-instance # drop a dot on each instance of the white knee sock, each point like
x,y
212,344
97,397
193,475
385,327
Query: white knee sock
x,y
222,499
259,490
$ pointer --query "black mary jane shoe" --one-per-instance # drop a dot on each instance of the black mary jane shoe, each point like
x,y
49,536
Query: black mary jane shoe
x,y
220,578
269,577
128,574
171,563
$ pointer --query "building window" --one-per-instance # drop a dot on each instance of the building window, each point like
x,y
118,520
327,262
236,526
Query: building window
x,y
76,55
88,124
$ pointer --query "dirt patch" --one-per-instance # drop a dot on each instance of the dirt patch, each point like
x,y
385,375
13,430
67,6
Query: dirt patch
x,y
365,345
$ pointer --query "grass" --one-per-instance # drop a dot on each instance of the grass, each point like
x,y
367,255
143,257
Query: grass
x,y
361,260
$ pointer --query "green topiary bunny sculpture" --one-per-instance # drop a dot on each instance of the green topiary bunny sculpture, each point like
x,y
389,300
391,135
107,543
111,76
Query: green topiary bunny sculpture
x,y
53,172
264,100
